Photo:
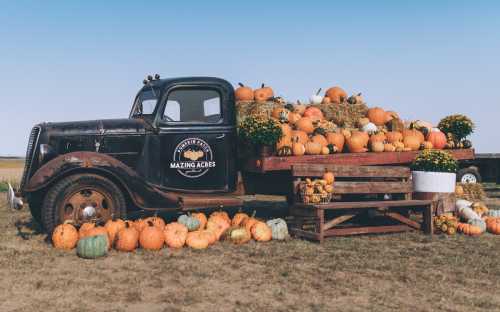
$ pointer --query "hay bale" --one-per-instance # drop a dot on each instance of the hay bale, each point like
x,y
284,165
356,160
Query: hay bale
x,y
245,109
344,114
472,192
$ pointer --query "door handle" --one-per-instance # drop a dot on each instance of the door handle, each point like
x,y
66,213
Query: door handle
x,y
221,136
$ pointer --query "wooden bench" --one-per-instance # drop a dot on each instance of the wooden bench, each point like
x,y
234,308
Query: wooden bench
x,y
358,191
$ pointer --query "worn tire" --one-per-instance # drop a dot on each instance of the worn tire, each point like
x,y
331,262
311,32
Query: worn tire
x,y
58,192
469,172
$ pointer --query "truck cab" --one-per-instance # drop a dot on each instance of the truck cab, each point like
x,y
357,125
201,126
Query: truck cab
x,y
176,149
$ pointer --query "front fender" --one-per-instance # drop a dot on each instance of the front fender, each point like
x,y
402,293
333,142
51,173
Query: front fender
x,y
142,193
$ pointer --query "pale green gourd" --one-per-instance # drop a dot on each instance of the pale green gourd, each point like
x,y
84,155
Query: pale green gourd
x,y
190,222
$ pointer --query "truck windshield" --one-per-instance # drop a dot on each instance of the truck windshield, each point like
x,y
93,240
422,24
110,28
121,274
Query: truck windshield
x,y
146,103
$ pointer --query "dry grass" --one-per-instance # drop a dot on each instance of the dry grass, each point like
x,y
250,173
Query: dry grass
x,y
11,171
403,272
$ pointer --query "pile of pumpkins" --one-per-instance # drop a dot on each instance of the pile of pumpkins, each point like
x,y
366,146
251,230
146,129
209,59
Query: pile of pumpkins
x,y
476,219
153,233
307,132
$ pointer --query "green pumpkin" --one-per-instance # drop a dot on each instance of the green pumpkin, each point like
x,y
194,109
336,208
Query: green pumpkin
x,y
92,247
190,222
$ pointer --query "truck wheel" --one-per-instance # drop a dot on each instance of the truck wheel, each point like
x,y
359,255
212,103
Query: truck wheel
x,y
82,198
468,175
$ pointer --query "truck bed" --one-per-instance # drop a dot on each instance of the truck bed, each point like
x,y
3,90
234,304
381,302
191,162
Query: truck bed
x,y
275,163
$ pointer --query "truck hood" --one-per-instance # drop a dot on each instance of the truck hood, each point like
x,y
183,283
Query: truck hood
x,y
95,127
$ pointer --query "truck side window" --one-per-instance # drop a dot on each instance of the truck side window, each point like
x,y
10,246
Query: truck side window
x,y
193,105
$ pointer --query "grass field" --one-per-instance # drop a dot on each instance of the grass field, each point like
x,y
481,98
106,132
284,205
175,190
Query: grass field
x,y
401,272
10,172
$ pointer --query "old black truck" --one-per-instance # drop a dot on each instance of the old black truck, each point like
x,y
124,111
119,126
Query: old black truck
x,y
179,139
177,150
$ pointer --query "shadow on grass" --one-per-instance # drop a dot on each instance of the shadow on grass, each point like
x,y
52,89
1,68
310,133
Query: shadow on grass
x,y
28,229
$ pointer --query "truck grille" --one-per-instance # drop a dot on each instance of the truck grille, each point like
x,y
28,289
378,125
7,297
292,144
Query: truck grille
x,y
30,154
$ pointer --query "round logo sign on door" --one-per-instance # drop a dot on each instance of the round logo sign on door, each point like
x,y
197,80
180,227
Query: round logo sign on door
x,y
192,158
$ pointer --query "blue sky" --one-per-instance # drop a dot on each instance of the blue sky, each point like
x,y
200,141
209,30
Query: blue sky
x,y
78,60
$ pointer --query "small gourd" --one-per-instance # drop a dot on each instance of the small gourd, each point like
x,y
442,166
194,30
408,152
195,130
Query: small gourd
x,y
377,147
369,128
189,221
316,98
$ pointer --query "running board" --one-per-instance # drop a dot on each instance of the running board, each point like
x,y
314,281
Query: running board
x,y
199,201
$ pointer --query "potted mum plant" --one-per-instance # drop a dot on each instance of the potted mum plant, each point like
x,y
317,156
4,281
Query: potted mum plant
x,y
261,132
457,128
434,171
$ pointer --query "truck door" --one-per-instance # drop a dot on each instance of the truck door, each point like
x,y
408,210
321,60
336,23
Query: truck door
x,y
197,135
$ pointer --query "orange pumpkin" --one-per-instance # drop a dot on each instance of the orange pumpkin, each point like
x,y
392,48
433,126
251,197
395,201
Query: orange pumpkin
x,y
472,230
201,218
65,236
243,93
389,147
377,147
157,221
268,91
336,139
127,239
326,100
414,132
299,136
197,240
293,118
140,224
298,149
336,95
314,113
305,124
313,148
299,108
113,227
218,226
151,237
377,116
210,236
394,136
378,137
493,225
84,228
175,234
437,138
249,223
284,141
261,232
357,143
239,218
222,214
412,142
318,138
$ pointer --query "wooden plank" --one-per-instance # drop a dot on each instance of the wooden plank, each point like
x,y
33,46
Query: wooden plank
x,y
336,221
402,219
304,234
445,202
317,170
372,187
275,163
367,230
367,204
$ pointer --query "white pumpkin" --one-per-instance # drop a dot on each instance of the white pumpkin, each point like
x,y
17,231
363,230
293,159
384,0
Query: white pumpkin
x,y
370,128
316,98
465,211
279,229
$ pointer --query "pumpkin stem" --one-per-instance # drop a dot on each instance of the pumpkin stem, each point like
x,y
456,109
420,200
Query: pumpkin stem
x,y
359,94
240,84
150,223
253,213
319,90
262,85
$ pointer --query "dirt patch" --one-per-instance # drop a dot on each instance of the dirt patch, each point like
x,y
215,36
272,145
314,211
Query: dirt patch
x,y
406,272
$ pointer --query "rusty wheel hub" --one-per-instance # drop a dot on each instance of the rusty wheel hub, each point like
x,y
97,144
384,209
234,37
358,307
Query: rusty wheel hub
x,y
85,205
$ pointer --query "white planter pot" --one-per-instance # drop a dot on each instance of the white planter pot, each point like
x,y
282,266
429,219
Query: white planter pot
x,y
433,182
